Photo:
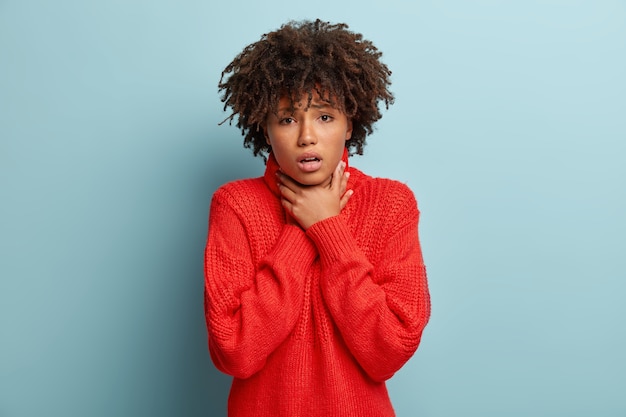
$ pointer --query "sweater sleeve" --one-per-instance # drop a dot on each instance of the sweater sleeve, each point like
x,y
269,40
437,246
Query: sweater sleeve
x,y
382,309
250,308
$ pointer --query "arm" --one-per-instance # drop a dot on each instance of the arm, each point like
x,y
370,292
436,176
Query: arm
x,y
250,309
379,309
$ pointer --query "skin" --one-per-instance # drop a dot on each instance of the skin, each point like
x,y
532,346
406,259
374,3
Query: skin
x,y
314,188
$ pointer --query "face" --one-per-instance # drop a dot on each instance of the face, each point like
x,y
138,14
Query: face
x,y
308,144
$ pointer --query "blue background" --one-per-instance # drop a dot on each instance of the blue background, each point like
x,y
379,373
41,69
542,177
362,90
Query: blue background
x,y
509,125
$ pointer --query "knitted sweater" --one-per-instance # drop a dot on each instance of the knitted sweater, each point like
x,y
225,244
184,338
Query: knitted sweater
x,y
312,323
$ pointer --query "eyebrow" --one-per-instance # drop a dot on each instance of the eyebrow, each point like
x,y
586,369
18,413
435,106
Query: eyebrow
x,y
321,106
313,105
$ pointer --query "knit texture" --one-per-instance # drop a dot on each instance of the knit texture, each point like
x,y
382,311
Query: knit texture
x,y
312,323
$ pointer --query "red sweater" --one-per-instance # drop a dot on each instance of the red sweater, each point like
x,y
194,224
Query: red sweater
x,y
311,323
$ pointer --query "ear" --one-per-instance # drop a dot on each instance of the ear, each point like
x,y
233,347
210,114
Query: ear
x,y
349,131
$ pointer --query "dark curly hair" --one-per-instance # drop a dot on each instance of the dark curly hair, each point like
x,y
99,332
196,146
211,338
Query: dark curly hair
x,y
301,58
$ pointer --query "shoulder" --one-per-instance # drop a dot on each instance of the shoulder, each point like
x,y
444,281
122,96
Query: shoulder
x,y
387,204
385,190
242,192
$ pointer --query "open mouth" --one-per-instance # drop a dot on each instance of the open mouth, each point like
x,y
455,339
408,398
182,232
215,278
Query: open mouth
x,y
309,162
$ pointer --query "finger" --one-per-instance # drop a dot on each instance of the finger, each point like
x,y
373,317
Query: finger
x,y
287,205
345,198
343,185
335,181
286,192
287,181
283,178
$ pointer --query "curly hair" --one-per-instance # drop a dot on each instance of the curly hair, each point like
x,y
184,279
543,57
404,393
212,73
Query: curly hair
x,y
301,58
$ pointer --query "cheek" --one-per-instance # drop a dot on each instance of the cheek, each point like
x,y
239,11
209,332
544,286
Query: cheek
x,y
280,153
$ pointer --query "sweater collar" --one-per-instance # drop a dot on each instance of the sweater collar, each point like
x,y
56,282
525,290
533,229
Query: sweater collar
x,y
272,167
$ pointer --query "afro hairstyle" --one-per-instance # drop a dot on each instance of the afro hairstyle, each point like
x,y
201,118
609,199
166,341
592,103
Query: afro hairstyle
x,y
298,59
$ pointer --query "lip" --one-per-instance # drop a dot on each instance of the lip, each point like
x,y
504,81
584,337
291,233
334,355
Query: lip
x,y
309,155
309,162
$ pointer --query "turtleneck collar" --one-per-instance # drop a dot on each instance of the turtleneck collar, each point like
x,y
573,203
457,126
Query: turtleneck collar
x,y
272,167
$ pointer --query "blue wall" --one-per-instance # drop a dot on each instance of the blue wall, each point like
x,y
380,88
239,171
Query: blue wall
x,y
509,125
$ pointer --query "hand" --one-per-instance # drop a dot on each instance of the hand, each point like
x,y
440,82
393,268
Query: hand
x,y
309,204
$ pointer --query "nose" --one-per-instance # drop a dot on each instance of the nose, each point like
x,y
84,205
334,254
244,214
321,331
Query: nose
x,y
307,134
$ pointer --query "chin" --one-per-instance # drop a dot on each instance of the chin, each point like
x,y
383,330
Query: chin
x,y
311,180
308,183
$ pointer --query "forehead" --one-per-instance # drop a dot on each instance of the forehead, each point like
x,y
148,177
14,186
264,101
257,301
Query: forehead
x,y
305,100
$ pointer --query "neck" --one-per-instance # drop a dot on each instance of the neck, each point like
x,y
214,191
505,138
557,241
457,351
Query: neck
x,y
272,168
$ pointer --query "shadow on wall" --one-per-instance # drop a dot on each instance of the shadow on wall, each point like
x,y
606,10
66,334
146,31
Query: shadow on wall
x,y
217,393
222,163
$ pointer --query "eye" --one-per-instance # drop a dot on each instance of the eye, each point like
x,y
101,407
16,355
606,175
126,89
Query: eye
x,y
286,120
326,118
